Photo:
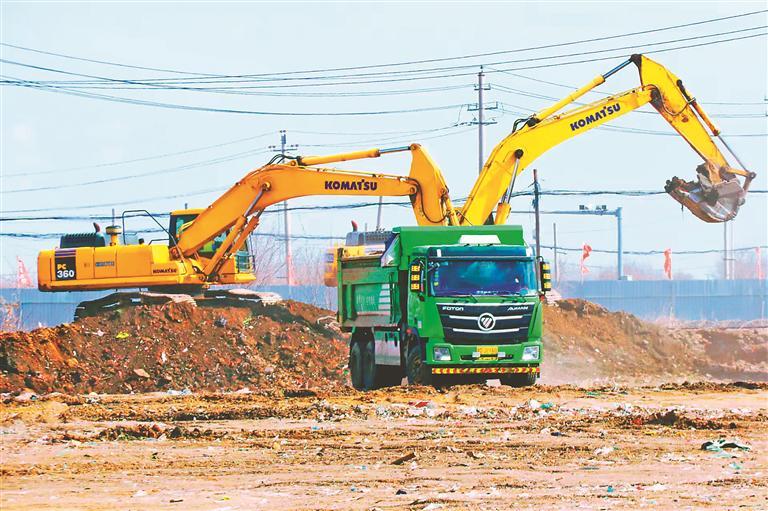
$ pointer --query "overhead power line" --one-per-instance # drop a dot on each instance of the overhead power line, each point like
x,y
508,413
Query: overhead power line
x,y
54,235
239,141
144,158
64,90
411,74
573,87
175,106
655,252
231,157
355,205
151,173
612,127
401,63
518,92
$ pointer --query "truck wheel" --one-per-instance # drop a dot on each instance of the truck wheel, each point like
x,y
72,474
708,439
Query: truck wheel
x,y
519,380
388,376
362,362
417,371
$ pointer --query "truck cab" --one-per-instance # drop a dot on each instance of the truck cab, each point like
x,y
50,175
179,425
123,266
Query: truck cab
x,y
444,304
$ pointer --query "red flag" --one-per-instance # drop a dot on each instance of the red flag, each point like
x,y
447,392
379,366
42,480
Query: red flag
x,y
668,263
585,251
759,269
22,276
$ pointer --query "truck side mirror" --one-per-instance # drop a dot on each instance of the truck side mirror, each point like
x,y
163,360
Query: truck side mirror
x,y
546,276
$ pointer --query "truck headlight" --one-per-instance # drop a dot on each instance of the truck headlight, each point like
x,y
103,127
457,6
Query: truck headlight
x,y
530,353
441,353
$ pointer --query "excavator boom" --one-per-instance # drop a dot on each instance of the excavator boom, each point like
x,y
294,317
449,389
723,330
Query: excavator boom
x,y
203,244
238,209
715,196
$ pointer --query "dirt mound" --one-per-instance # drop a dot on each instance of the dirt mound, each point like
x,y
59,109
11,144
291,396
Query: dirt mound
x,y
291,347
176,347
584,342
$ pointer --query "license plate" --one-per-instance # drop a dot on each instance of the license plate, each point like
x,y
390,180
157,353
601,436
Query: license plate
x,y
488,351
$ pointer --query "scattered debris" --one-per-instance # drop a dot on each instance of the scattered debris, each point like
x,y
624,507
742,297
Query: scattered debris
x,y
141,373
602,451
721,443
408,457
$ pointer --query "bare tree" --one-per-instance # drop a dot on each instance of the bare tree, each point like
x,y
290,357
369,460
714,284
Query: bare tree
x,y
266,259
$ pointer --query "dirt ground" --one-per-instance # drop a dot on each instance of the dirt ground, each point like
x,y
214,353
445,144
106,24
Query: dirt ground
x,y
175,407
478,447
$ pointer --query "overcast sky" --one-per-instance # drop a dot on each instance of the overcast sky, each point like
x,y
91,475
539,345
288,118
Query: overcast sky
x,y
44,131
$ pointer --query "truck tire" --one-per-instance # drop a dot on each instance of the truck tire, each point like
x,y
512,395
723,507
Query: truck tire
x,y
416,370
519,380
362,365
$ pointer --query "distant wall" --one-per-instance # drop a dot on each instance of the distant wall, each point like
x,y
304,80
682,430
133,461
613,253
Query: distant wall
x,y
688,300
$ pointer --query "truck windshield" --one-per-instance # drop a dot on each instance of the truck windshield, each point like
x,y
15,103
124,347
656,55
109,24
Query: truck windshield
x,y
481,277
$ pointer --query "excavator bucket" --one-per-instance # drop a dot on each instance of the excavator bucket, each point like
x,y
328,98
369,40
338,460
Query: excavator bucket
x,y
713,203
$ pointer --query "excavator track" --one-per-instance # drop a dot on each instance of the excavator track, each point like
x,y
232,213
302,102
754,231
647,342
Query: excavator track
x,y
238,297
119,301
212,298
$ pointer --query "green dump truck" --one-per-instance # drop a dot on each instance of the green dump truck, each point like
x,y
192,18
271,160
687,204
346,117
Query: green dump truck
x,y
443,304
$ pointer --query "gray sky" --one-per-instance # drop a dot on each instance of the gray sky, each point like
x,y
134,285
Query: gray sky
x,y
43,131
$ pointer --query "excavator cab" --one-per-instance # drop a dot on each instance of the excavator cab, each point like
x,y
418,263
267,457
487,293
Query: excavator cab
x,y
181,219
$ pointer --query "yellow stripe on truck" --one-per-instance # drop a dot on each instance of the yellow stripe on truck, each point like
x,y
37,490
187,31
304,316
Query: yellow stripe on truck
x,y
483,370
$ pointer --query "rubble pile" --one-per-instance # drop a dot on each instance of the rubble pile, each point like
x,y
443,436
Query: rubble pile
x,y
179,348
586,343
176,347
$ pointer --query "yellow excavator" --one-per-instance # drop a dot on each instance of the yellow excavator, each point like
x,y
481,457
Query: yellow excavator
x,y
209,247
715,196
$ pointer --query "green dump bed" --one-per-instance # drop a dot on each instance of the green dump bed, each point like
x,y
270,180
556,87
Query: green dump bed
x,y
367,293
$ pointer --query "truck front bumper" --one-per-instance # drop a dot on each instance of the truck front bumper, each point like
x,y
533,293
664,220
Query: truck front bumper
x,y
507,356
485,370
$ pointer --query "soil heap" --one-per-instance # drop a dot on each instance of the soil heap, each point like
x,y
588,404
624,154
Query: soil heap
x,y
295,346
176,347
586,343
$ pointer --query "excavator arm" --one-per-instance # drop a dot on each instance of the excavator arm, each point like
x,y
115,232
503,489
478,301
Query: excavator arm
x,y
714,197
238,210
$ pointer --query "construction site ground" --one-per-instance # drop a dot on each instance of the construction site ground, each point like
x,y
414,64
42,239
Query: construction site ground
x,y
181,408
476,447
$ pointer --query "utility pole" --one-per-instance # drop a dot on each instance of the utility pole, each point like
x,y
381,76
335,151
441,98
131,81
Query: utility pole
x,y
556,273
480,108
619,246
725,250
536,210
378,213
286,216
480,156
728,260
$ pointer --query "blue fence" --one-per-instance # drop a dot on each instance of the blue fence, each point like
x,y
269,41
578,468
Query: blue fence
x,y
687,300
